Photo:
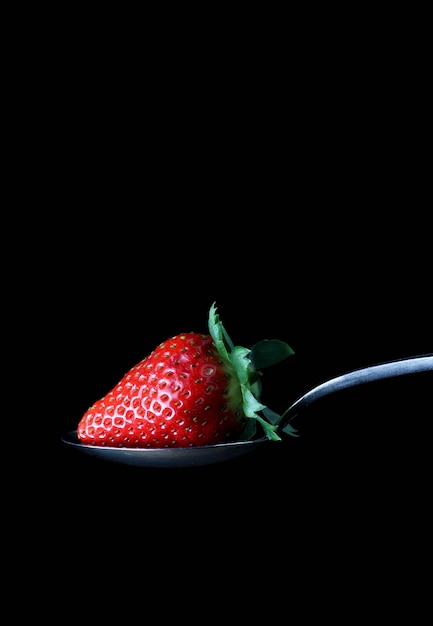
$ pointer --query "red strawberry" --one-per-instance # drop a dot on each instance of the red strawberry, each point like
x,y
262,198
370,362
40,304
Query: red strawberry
x,y
192,390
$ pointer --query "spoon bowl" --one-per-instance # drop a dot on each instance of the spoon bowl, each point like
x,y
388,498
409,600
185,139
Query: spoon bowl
x,y
166,457
206,455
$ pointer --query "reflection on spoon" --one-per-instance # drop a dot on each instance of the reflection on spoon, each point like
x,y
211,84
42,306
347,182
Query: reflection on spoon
x,y
206,455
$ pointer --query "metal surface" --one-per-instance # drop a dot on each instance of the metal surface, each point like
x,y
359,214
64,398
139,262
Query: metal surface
x,y
206,455
165,457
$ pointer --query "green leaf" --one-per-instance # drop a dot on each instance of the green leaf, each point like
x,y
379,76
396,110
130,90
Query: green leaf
x,y
246,363
251,404
290,430
269,430
270,352
241,362
271,416
218,333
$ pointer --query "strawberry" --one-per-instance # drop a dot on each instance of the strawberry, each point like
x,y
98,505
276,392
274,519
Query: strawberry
x,y
192,390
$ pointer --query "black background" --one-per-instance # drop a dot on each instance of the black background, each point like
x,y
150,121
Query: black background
x,y
316,268
303,216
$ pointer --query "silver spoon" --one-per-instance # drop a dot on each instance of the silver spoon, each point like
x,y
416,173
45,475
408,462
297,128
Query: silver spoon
x,y
206,455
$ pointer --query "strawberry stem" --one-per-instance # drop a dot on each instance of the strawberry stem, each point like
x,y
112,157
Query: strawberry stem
x,y
246,362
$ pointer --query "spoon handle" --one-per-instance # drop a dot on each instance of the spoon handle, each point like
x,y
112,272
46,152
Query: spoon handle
x,y
381,371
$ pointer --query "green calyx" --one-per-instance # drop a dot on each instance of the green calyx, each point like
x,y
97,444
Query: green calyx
x,y
247,363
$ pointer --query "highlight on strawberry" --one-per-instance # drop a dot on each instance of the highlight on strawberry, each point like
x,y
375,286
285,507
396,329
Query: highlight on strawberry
x,y
192,390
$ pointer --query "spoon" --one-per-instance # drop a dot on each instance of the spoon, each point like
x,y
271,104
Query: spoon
x,y
206,455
